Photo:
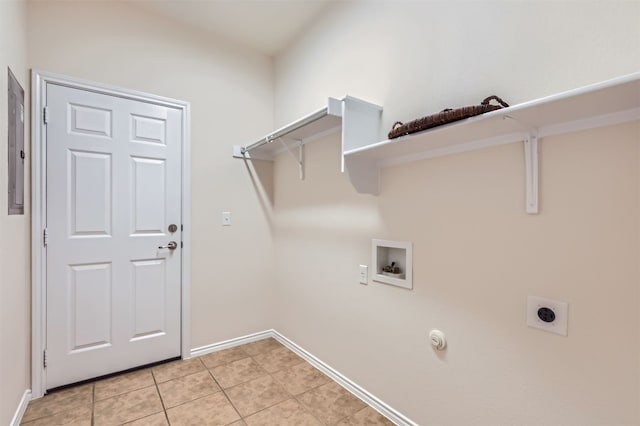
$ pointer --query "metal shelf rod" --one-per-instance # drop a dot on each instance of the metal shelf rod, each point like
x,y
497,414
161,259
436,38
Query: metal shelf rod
x,y
285,130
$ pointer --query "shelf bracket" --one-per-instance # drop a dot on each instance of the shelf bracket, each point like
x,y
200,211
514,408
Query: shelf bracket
x,y
298,158
531,170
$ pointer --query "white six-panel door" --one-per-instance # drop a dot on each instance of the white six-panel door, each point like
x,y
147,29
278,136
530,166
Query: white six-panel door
x,y
113,189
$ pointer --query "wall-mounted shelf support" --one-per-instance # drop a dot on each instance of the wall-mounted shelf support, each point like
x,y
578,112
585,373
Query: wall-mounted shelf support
x,y
608,103
333,109
299,158
531,170
359,121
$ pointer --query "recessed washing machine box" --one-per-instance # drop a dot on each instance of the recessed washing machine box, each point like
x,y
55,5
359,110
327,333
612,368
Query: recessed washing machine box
x,y
393,262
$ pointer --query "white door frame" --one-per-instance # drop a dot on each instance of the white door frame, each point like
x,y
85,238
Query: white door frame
x,y
39,80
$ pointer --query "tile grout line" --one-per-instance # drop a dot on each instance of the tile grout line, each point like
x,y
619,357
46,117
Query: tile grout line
x,y
272,378
123,393
93,402
270,406
316,387
225,395
303,405
271,374
223,390
238,384
47,415
186,402
164,409
205,368
289,396
306,409
295,397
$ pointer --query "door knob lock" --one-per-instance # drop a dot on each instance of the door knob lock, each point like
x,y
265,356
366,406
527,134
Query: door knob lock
x,y
172,245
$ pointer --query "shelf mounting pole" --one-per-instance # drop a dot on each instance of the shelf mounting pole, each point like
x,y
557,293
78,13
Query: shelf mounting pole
x,y
532,172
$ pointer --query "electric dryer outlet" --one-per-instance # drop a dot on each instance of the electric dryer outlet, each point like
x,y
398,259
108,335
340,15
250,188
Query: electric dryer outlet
x,y
547,314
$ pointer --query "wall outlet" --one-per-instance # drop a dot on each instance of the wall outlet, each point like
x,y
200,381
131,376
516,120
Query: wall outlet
x,y
547,314
226,218
364,274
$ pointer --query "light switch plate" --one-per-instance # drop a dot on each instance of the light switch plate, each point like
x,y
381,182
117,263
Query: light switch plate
x,y
547,314
364,274
226,218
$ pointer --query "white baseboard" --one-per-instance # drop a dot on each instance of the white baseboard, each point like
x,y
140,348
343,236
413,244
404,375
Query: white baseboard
x,y
362,394
226,344
17,417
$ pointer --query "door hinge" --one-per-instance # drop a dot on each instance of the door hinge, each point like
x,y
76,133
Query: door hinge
x,y
181,244
45,114
45,237
44,358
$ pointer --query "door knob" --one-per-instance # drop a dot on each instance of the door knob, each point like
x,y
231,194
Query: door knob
x,y
172,245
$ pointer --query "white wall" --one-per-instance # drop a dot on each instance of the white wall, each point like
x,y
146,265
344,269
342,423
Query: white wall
x,y
418,57
15,229
231,95
477,255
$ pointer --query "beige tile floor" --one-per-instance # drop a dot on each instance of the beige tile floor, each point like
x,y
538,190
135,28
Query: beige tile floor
x,y
260,383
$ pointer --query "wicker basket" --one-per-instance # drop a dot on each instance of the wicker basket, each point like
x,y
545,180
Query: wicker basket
x,y
444,117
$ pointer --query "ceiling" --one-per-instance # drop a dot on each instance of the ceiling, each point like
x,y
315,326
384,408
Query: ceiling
x,y
267,26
